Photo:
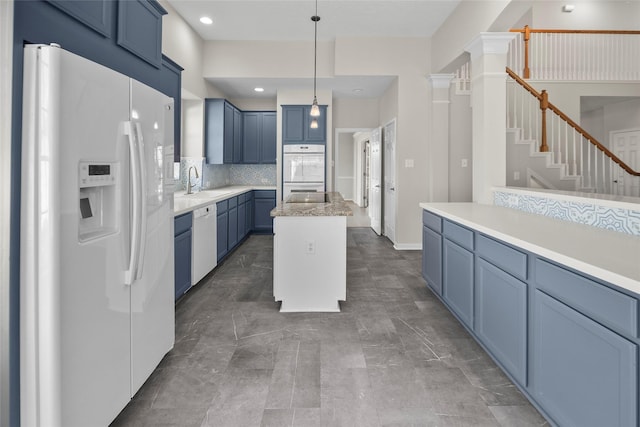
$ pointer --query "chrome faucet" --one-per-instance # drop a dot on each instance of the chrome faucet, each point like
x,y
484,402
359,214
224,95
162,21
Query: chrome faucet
x,y
189,185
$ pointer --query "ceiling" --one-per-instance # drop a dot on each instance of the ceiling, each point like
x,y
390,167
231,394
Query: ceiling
x,y
290,20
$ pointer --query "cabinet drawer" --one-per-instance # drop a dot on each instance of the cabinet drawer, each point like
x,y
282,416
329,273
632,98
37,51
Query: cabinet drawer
x,y
597,301
432,221
233,202
182,223
242,198
264,194
222,206
459,234
508,259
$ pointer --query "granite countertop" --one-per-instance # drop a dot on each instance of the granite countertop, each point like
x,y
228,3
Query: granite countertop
x,y
183,203
334,205
607,255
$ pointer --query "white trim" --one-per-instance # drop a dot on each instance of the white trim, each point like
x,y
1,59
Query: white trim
x,y
489,44
440,81
408,246
6,64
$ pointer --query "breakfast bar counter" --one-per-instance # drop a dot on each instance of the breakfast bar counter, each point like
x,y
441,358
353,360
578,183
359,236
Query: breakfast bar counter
x,y
310,252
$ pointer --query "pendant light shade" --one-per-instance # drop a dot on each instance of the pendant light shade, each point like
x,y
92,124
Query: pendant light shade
x,y
315,110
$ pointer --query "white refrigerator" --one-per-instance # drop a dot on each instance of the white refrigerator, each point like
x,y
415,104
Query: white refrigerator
x,y
96,256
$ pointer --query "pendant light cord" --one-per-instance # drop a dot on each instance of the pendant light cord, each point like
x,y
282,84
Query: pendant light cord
x,y
315,18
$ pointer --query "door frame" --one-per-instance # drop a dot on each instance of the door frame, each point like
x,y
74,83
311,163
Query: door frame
x,y
384,179
612,134
336,157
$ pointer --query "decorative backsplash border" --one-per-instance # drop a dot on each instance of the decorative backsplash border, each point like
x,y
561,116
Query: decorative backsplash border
x,y
595,213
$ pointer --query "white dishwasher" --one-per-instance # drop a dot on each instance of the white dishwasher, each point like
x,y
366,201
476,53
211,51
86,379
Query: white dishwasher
x,y
204,247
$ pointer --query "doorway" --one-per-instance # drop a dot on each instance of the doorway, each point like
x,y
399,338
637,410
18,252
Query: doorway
x,y
389,158
626,145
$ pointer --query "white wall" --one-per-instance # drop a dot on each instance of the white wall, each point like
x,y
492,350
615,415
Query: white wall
x,y
460,135
344,168
467,20
621,116
192,128
356,113
593,122
184,46
587,15
255,104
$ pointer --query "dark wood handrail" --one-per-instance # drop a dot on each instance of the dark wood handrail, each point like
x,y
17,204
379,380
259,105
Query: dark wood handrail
x,y
544,103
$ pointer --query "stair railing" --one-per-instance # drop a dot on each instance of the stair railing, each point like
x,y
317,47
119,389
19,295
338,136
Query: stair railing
x,y
575,54
600,170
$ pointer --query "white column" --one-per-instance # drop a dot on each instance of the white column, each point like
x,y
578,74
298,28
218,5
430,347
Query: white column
x,y
488,102
439,152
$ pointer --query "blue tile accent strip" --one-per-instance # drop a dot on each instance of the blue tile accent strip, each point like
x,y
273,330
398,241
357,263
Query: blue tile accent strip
x,y
607,217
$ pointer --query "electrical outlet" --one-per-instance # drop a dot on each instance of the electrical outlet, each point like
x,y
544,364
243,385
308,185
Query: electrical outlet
x,y
513,200
516,176
310,246
464,163
408,163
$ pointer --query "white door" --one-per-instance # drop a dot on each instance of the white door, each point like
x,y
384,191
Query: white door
x,y
375,180
75,318
626,145
152,295
389,141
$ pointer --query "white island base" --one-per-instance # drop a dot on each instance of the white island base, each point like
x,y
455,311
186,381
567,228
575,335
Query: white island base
x,y
310,262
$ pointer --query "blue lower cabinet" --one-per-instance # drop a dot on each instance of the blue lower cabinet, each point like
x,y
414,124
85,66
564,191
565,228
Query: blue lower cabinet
x,y
432,259
182,254
263,203
457,288
583,374
501,317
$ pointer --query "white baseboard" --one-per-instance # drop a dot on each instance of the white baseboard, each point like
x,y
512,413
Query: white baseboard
x,y
408,246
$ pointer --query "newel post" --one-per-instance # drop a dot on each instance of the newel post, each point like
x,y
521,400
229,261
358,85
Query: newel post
x,y
488,53
544,104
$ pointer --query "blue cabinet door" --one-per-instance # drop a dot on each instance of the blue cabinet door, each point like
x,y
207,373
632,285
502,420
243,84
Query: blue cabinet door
x,y
432,259
140,29
242,220
251,133
318,135
262,214
268,138
583,374
501,317
222,232
457,287
228,132
233,227
182,260
237,136
292,124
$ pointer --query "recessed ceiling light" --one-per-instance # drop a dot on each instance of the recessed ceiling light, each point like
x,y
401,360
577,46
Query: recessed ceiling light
x,y
206,20
357,90
258,89
568,8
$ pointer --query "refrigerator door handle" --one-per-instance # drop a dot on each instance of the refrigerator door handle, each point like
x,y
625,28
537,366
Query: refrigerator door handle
x,y
130,275
143,202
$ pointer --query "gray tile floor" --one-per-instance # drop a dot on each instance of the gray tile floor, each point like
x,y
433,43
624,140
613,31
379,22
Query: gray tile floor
x,y
394,356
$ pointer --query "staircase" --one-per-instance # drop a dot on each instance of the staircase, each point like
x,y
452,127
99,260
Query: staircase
x,y
528,167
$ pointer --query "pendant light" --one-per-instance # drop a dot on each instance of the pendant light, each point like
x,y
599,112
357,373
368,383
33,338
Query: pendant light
x,y
315,110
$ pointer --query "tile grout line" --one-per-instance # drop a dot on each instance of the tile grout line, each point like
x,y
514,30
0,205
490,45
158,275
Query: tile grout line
x,y
295,370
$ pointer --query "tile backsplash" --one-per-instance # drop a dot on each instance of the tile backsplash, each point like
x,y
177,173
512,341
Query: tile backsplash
x,y
596,213
215,176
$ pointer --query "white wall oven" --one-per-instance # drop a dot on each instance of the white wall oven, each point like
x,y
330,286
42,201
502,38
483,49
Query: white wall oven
x,y
303,168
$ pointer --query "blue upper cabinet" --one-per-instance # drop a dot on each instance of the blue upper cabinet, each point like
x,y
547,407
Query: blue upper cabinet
x,y
140,29
296,125
94,14
222,132
318,135
259,137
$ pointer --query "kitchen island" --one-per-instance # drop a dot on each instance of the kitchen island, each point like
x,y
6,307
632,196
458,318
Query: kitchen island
x,y
310,252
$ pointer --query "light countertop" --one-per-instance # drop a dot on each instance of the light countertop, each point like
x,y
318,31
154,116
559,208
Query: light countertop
x,y
335,206
607,255
183,203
